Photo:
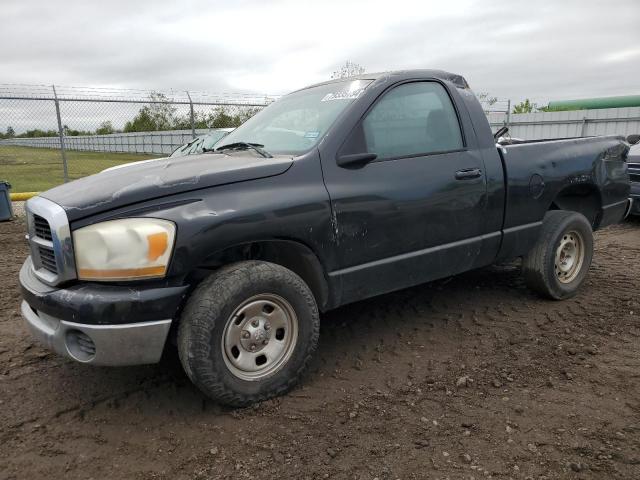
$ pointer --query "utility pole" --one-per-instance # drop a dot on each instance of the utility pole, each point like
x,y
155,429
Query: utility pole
x,y
61,135
193,120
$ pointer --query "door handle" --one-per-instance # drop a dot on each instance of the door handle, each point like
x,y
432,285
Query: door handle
x,y
468,173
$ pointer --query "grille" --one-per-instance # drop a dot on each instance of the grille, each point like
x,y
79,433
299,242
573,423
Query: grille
x,y
634,172
48,259
42,227
47,256
50,241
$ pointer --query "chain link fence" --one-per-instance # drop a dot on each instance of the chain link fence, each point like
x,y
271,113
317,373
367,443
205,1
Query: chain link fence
x,y
495,106
50,135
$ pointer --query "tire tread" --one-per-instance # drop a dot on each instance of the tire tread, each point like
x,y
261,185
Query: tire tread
x,y
193,331
535,263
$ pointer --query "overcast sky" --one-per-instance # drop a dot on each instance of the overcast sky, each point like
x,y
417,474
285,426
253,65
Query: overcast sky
x,y
512,49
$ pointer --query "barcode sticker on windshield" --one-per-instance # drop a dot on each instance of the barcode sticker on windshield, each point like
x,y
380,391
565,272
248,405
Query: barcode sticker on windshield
x,y
344,95
354,90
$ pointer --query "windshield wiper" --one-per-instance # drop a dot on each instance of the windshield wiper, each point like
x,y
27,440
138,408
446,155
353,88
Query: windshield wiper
x,y
245,146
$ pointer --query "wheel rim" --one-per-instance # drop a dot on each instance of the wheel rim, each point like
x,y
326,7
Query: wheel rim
x,y
259,337
569,256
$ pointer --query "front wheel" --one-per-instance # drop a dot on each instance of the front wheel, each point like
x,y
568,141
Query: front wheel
x,y
247,332
558,263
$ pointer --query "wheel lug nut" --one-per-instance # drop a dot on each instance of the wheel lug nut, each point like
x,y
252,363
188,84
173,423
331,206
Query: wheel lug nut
x,y
253,346
267,326
264,342
245,334
255,323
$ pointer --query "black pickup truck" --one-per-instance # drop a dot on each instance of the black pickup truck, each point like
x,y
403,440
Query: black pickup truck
x,y
333,194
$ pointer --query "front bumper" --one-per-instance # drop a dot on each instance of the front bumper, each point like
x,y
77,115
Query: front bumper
x,y
113,345
100,324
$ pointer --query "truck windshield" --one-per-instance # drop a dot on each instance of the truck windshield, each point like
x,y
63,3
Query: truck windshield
x,y
296,122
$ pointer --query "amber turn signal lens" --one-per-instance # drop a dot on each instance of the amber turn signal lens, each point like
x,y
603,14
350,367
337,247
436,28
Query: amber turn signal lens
x,y
158,243
123,273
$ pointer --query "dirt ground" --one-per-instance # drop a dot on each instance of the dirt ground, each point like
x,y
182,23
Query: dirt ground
x,y
469,377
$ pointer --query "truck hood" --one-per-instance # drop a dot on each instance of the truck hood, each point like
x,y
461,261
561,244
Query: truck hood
x,y
146,180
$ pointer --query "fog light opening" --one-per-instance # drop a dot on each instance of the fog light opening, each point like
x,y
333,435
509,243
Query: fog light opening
x,y
80,346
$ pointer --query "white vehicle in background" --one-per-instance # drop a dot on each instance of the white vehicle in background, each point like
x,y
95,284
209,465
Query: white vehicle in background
x,y
202,143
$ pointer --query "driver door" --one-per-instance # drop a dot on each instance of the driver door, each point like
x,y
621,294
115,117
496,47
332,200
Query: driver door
x,y
417,211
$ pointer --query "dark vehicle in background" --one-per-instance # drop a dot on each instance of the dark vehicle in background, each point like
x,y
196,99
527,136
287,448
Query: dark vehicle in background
x,y
634,172
201,143
332,194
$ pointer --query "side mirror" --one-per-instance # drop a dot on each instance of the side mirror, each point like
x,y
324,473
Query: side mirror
x,y
633,138
501,133
357,160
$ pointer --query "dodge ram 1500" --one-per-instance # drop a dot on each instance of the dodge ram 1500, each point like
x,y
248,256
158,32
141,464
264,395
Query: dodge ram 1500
x,y
332,194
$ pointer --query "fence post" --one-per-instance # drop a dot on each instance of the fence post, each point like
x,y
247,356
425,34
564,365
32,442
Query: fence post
x,y
61,135
193,120
508,114
583,130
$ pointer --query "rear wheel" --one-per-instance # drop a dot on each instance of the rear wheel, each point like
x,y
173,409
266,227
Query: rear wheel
x,y
248,332
559,262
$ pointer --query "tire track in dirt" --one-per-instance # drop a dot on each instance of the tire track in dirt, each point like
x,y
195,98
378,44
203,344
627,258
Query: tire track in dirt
x,y
469,376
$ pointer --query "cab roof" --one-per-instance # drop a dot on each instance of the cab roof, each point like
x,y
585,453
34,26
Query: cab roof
x,y
458,80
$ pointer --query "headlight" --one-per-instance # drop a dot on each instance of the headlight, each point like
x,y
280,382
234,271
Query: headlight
x,y
127,249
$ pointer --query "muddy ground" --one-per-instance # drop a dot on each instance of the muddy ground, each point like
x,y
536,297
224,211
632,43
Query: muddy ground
x,y
469,377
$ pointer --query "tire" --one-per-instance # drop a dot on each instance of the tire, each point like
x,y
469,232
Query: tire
x,y
226,330
550,272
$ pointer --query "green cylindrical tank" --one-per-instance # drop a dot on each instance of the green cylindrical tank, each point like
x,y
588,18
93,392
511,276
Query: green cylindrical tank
x,y
593,103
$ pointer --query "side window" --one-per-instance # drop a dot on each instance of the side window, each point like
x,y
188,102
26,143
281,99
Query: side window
x,y
411,119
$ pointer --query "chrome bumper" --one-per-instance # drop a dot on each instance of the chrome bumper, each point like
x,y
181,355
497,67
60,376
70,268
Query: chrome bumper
x,y
114,345
629,207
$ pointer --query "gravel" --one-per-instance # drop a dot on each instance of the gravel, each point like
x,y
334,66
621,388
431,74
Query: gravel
x,y
377,401
18,209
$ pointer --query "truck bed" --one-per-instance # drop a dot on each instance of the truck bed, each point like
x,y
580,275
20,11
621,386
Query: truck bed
x,y
537,170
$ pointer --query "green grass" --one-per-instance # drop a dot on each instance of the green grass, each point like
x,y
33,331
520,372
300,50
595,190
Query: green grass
x,y
30,169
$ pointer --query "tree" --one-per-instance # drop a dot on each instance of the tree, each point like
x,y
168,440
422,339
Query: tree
x,y
69,132
10,132
38,133
220,117
349,69
525,107
247,114
105,128
158,115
